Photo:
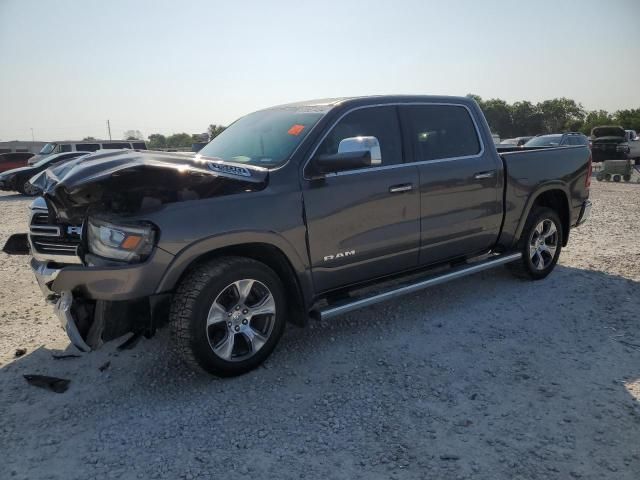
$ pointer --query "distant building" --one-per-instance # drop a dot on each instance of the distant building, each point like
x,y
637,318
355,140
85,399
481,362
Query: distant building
x,y
18,146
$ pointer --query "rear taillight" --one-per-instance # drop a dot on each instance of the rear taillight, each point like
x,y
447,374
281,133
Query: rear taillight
x,y
587,182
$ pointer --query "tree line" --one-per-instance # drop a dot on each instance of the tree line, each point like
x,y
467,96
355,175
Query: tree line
x,y
557,115
175,140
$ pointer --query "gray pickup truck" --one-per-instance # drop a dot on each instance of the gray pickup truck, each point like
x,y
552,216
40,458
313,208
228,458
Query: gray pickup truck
x,y
307,210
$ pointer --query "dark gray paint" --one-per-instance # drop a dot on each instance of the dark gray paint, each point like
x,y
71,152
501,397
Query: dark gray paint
x,y
449,213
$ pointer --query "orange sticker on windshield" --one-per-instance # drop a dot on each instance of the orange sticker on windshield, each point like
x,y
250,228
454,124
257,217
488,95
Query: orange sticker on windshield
x,y
296,129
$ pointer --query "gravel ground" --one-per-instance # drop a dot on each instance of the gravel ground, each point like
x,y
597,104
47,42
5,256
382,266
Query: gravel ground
x,y
488,377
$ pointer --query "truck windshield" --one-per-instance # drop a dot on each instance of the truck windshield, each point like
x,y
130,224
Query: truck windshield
x,y
265,138
47,149
544,141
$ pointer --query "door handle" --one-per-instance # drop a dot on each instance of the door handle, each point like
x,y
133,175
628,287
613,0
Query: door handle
x,y
406,187
481,175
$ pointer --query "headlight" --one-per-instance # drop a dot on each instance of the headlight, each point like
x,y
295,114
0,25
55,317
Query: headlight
x,y
128,243
623,148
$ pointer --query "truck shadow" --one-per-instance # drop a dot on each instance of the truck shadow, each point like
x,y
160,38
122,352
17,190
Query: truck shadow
x,y
486,363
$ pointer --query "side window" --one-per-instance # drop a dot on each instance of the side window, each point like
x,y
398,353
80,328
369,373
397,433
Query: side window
x,y
112,146
65,147
379,122
440,131
139,145
87,147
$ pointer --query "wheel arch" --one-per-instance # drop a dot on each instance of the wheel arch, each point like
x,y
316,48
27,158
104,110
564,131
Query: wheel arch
x,y
554,196
268,249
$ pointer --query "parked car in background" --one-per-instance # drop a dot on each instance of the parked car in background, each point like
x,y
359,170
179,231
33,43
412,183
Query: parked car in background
x,y
86,146
17,180
9,161
515,142
21,146
612,142
558,140
286,214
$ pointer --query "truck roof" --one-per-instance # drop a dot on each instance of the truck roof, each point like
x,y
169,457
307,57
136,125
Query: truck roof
x,y
328,103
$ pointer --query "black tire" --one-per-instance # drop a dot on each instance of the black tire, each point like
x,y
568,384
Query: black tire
x,y
26,189
616,178
525,268
626,177
600,177
607,176
190,307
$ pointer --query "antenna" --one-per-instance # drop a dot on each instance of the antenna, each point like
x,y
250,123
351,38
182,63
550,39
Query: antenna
x,y
109,129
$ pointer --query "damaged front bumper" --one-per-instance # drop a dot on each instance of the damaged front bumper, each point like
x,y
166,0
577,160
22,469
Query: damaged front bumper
x,y
97,304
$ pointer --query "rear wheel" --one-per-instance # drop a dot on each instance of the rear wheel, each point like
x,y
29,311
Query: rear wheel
x,y
540,244
228,315
626,177
607,176
616,178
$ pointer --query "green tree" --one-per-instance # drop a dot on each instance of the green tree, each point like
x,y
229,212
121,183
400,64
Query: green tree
x,y
215,130
498,115
629,119
526,118
179,140
560,114
595,118
156,141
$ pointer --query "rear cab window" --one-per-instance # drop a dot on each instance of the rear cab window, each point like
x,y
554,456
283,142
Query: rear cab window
x,y
139,145
438,132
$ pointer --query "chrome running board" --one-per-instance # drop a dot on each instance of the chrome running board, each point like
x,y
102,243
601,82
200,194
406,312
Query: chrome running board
x,y
456,272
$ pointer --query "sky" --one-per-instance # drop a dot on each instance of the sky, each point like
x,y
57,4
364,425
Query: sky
x,y
177,66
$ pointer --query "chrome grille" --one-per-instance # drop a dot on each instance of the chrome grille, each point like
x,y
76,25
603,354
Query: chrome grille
x,y
57,243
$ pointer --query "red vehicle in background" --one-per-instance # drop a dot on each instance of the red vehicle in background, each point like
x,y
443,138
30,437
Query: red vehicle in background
x,y
11,160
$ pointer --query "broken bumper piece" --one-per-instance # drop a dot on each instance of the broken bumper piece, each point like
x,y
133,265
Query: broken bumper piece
x,y
63,311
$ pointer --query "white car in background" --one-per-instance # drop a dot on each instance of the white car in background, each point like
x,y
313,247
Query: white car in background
x,y
86,146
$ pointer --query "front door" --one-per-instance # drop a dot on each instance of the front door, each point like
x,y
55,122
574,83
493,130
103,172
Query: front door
x,y
363,223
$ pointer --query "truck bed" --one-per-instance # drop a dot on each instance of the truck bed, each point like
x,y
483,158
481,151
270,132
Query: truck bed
x,y
537,169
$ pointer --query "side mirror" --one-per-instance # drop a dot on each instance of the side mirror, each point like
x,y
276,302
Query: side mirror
x,y
353,152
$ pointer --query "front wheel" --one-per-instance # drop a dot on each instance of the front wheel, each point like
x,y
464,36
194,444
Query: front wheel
x,y
228,315
540,244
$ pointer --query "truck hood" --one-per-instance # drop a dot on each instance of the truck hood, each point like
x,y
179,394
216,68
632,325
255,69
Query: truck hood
x,y
616,140
134,181
607,132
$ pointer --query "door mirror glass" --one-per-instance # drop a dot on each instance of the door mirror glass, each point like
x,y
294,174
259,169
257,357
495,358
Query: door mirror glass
x,y
362,144
336,162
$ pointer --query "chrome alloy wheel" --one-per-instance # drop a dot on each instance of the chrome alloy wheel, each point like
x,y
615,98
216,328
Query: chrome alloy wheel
x,y
543,244
241,320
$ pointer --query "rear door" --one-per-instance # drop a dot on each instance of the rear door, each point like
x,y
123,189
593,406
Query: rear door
x,y
460,181
363,223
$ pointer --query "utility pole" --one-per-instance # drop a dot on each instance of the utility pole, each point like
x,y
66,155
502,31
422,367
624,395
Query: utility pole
x,y
32,139
109,129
